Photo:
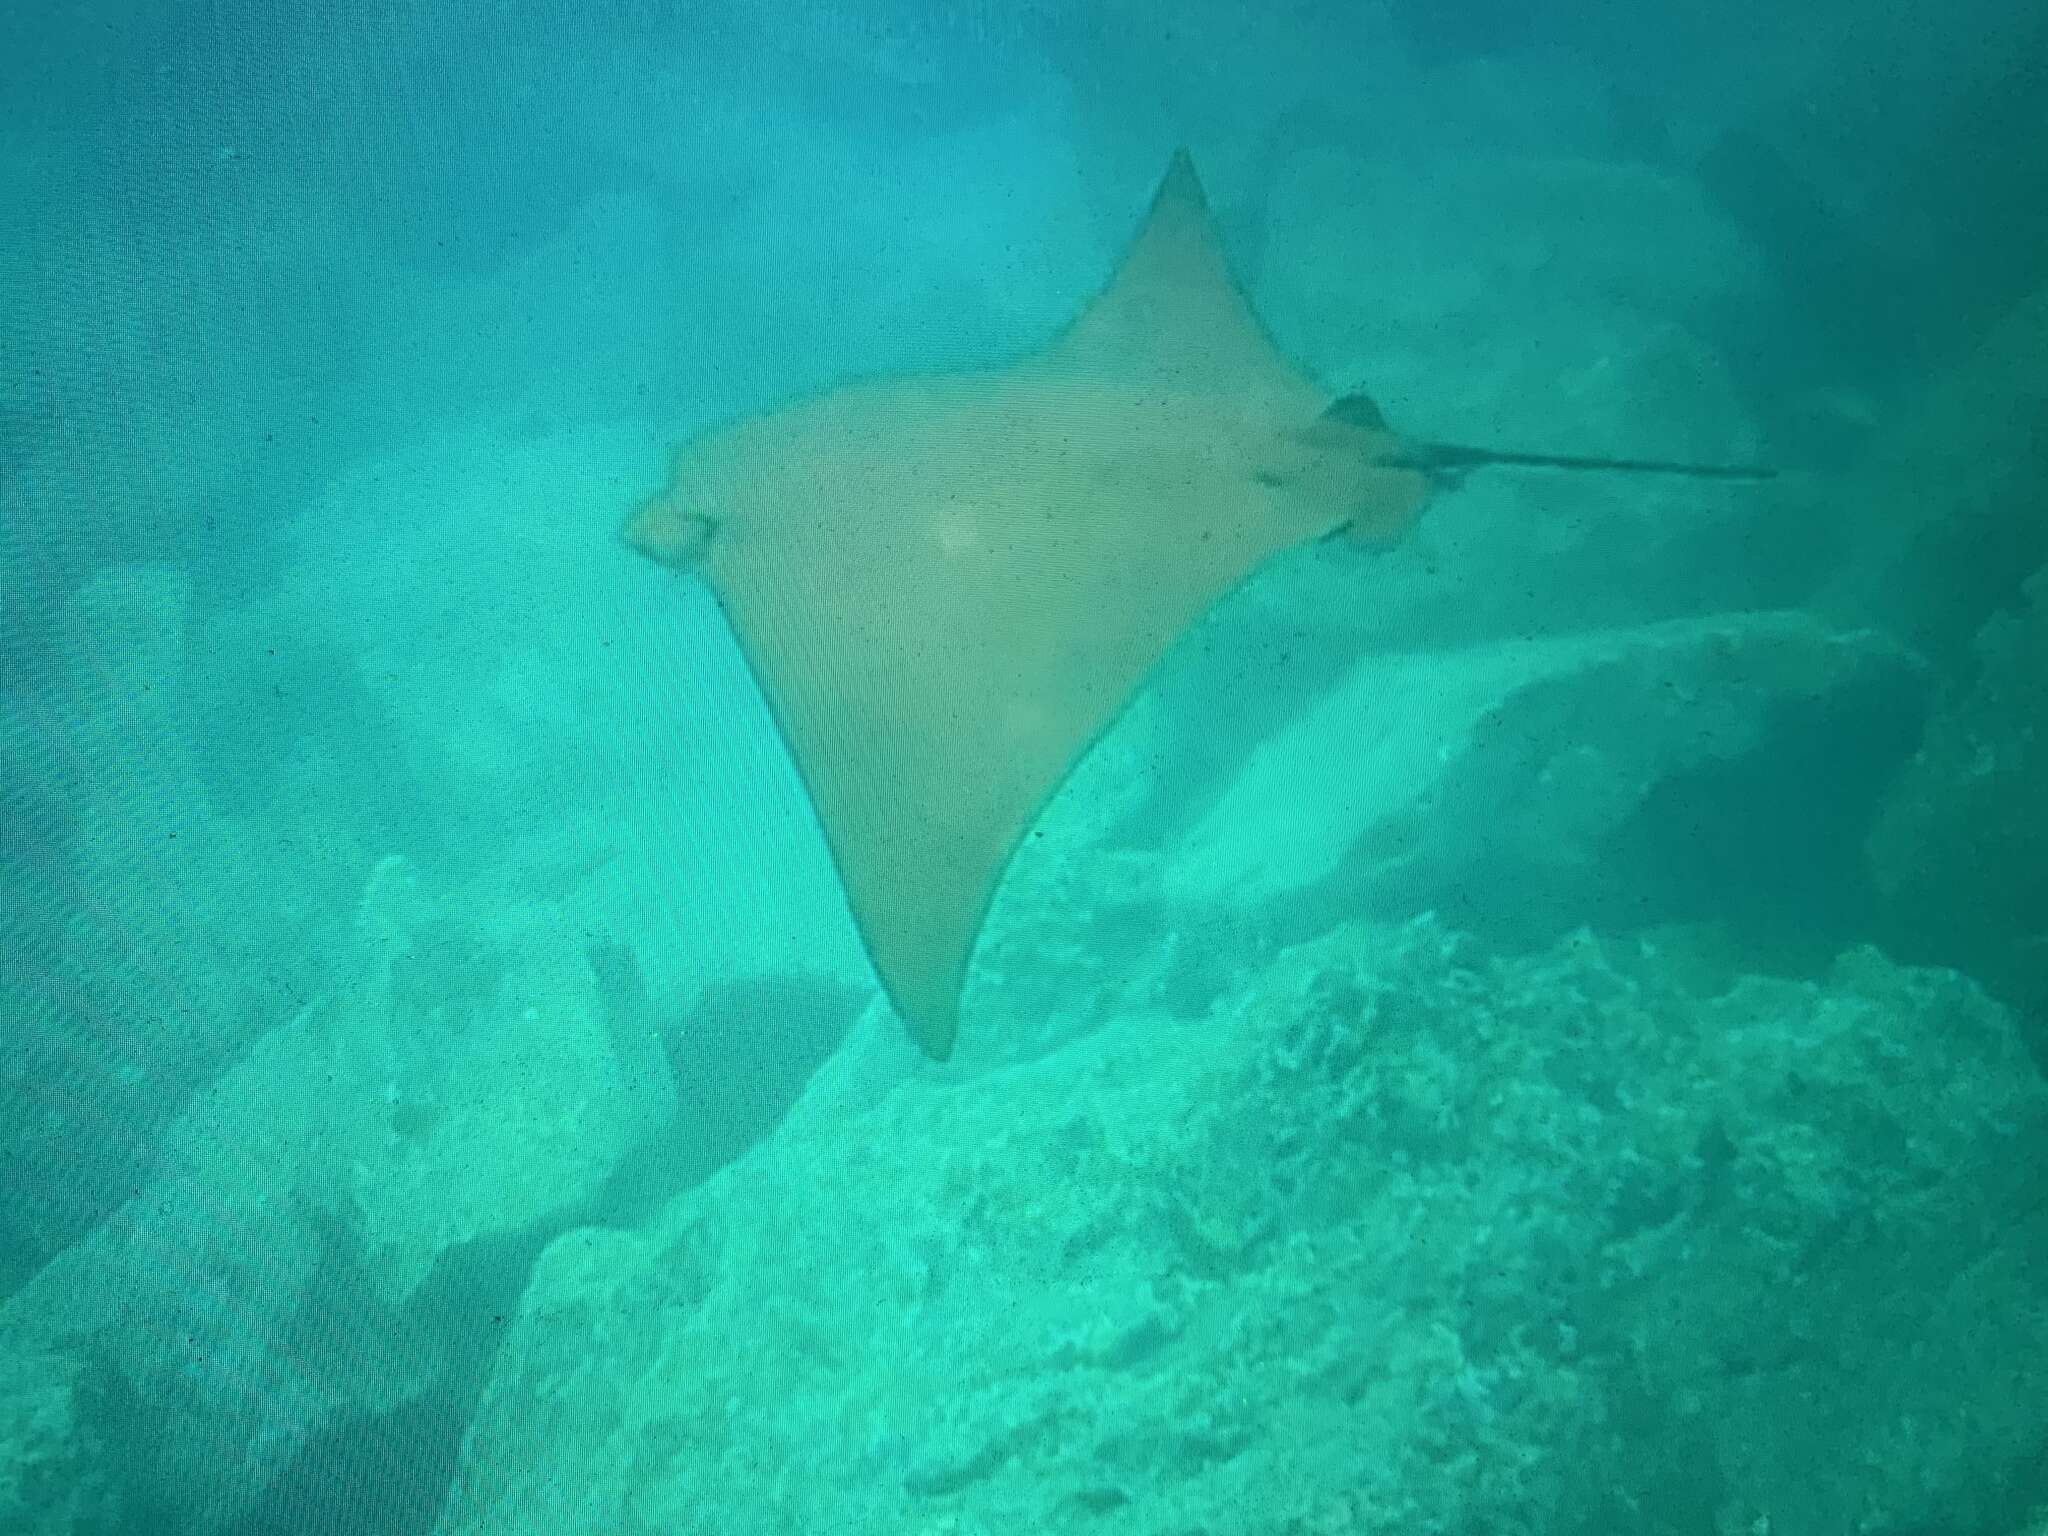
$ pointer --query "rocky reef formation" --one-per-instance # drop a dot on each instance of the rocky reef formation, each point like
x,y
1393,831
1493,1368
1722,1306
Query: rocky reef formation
x,y
312,1263
1960,850
1396,1238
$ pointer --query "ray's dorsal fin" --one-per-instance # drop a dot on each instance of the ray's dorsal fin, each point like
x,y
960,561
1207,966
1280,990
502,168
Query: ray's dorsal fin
x,y
1358,410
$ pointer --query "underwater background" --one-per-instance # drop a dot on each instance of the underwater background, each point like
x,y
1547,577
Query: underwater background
x,y
1537,1029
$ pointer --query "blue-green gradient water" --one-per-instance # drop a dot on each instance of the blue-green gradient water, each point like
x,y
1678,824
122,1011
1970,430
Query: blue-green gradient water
x,y
1538,1027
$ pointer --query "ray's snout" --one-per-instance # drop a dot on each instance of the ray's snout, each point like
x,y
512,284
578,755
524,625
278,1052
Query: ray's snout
x,y
668,534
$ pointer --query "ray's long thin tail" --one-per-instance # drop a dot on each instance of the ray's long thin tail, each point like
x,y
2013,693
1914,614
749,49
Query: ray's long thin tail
x,y
1452,461
1449,462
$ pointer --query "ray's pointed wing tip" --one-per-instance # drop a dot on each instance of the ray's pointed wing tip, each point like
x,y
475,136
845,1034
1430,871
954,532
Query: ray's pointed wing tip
x,y
1181,181
934,1027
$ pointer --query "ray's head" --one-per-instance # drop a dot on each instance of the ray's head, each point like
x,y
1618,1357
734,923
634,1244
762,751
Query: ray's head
x,y
668,533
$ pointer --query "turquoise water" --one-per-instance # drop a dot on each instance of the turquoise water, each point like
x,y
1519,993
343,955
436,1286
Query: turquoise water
x,y
1534,1024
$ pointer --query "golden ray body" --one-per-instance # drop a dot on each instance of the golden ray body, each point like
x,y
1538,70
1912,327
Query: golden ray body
x,y
949,586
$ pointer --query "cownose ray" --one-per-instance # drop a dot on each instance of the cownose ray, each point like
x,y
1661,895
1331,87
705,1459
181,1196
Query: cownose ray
x,y
948,586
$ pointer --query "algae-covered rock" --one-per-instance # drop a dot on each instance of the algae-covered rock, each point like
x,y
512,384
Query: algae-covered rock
x,y
264,1298
1395,1239
159,935
1515,766
493,1090
1946,521
55,1476
1722,767
1960,850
